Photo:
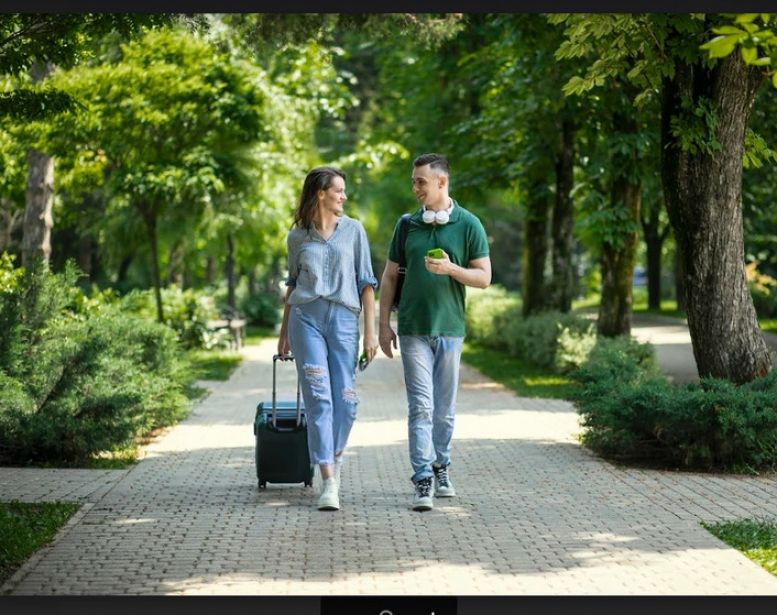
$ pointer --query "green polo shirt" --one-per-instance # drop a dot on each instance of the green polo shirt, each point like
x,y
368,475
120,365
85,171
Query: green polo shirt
x,y
431,304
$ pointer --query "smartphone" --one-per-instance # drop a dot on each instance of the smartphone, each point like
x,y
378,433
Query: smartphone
x,y
435,253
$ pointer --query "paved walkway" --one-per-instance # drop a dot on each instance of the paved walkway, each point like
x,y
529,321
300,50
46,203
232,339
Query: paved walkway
x,y
536,513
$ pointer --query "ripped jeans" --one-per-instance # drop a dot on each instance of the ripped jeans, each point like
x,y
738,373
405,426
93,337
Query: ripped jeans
x,y
324,337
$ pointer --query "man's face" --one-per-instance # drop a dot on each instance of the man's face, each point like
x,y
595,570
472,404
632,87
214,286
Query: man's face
x,y
427,185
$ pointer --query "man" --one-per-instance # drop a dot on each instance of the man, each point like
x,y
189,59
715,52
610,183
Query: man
x,y
430,319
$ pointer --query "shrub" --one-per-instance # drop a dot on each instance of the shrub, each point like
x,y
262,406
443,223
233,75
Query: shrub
x,y
630,412
79,383
553,340
186,312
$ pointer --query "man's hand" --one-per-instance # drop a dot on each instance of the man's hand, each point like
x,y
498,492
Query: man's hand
x,y
388,339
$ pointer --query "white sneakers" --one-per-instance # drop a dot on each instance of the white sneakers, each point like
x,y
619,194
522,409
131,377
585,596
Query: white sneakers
x,y
329,489
338,466
329,499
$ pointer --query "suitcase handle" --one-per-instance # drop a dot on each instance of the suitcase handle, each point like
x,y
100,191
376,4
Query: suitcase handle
x,y
275,359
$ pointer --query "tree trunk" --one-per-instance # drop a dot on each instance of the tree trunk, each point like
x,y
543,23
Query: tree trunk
x,y
615,308
36,239
229,271
654,241
148,213
535,249
175,265
703,192
210,271
123,269
563,284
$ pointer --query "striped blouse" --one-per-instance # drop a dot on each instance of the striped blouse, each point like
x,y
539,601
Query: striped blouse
x,y
336,269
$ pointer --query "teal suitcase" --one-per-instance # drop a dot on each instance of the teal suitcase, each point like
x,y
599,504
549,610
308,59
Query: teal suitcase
x,y
281,432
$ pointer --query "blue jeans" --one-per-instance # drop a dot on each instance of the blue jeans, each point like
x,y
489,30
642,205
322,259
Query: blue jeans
x,y
431,366
324,337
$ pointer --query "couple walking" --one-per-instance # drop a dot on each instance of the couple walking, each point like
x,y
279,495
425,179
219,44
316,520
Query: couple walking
x,y
331,281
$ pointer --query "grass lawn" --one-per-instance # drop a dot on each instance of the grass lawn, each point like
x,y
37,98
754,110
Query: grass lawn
x,y
25,527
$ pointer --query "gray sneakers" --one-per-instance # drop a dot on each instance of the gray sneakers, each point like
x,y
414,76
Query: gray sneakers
x,y
424,490
443,487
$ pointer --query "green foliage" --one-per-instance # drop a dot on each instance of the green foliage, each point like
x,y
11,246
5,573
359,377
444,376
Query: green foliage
x,y
755,538
695,126
78,384
519,375
25,527
214,364
642,47
482,307
187,313
757,150
763,289
553,340
631,413
61,39
752,33
261,309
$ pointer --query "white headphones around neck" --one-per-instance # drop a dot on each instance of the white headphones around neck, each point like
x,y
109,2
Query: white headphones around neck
x,y
440,217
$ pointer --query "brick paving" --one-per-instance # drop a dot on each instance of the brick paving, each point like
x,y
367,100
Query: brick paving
x,y
536,513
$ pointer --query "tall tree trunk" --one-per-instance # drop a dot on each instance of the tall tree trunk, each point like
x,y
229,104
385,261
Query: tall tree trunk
x,y
123,269
703,192
175,264
229,271
615,308
148,213
210,271
563,284
655,236
619,255
535,249
38,220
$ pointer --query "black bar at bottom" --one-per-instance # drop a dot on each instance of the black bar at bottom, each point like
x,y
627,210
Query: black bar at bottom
x,y
388,605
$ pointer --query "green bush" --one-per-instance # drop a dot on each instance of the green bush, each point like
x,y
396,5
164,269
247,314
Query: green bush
x,y
186,312
553,340
629,411
632,413
80,382
763,289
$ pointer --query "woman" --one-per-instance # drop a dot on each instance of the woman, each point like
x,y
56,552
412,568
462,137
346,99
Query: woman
x,y
330,283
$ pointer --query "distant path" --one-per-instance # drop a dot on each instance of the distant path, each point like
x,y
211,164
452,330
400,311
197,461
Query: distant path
x,y
672,342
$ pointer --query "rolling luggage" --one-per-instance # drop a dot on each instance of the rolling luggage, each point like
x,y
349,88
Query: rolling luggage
x,y
281,432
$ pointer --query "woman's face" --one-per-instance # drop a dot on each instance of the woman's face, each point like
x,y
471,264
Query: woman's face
x,y
332,198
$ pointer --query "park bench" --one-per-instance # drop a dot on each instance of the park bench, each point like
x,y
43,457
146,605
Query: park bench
x,y
234,323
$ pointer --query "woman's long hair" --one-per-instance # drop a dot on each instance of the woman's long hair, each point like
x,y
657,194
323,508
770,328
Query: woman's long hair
x,y
320,178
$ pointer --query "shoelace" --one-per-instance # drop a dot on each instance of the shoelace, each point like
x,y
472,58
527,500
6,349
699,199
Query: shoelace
x,y
442,476
424,487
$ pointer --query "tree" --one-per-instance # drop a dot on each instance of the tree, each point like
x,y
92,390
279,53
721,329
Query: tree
x,y
170,123
705,105
31,46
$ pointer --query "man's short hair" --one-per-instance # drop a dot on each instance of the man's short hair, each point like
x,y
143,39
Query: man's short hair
x,y
436,162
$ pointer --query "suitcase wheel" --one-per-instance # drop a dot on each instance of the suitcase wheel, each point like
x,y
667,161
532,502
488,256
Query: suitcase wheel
x,y
308,483
262,484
